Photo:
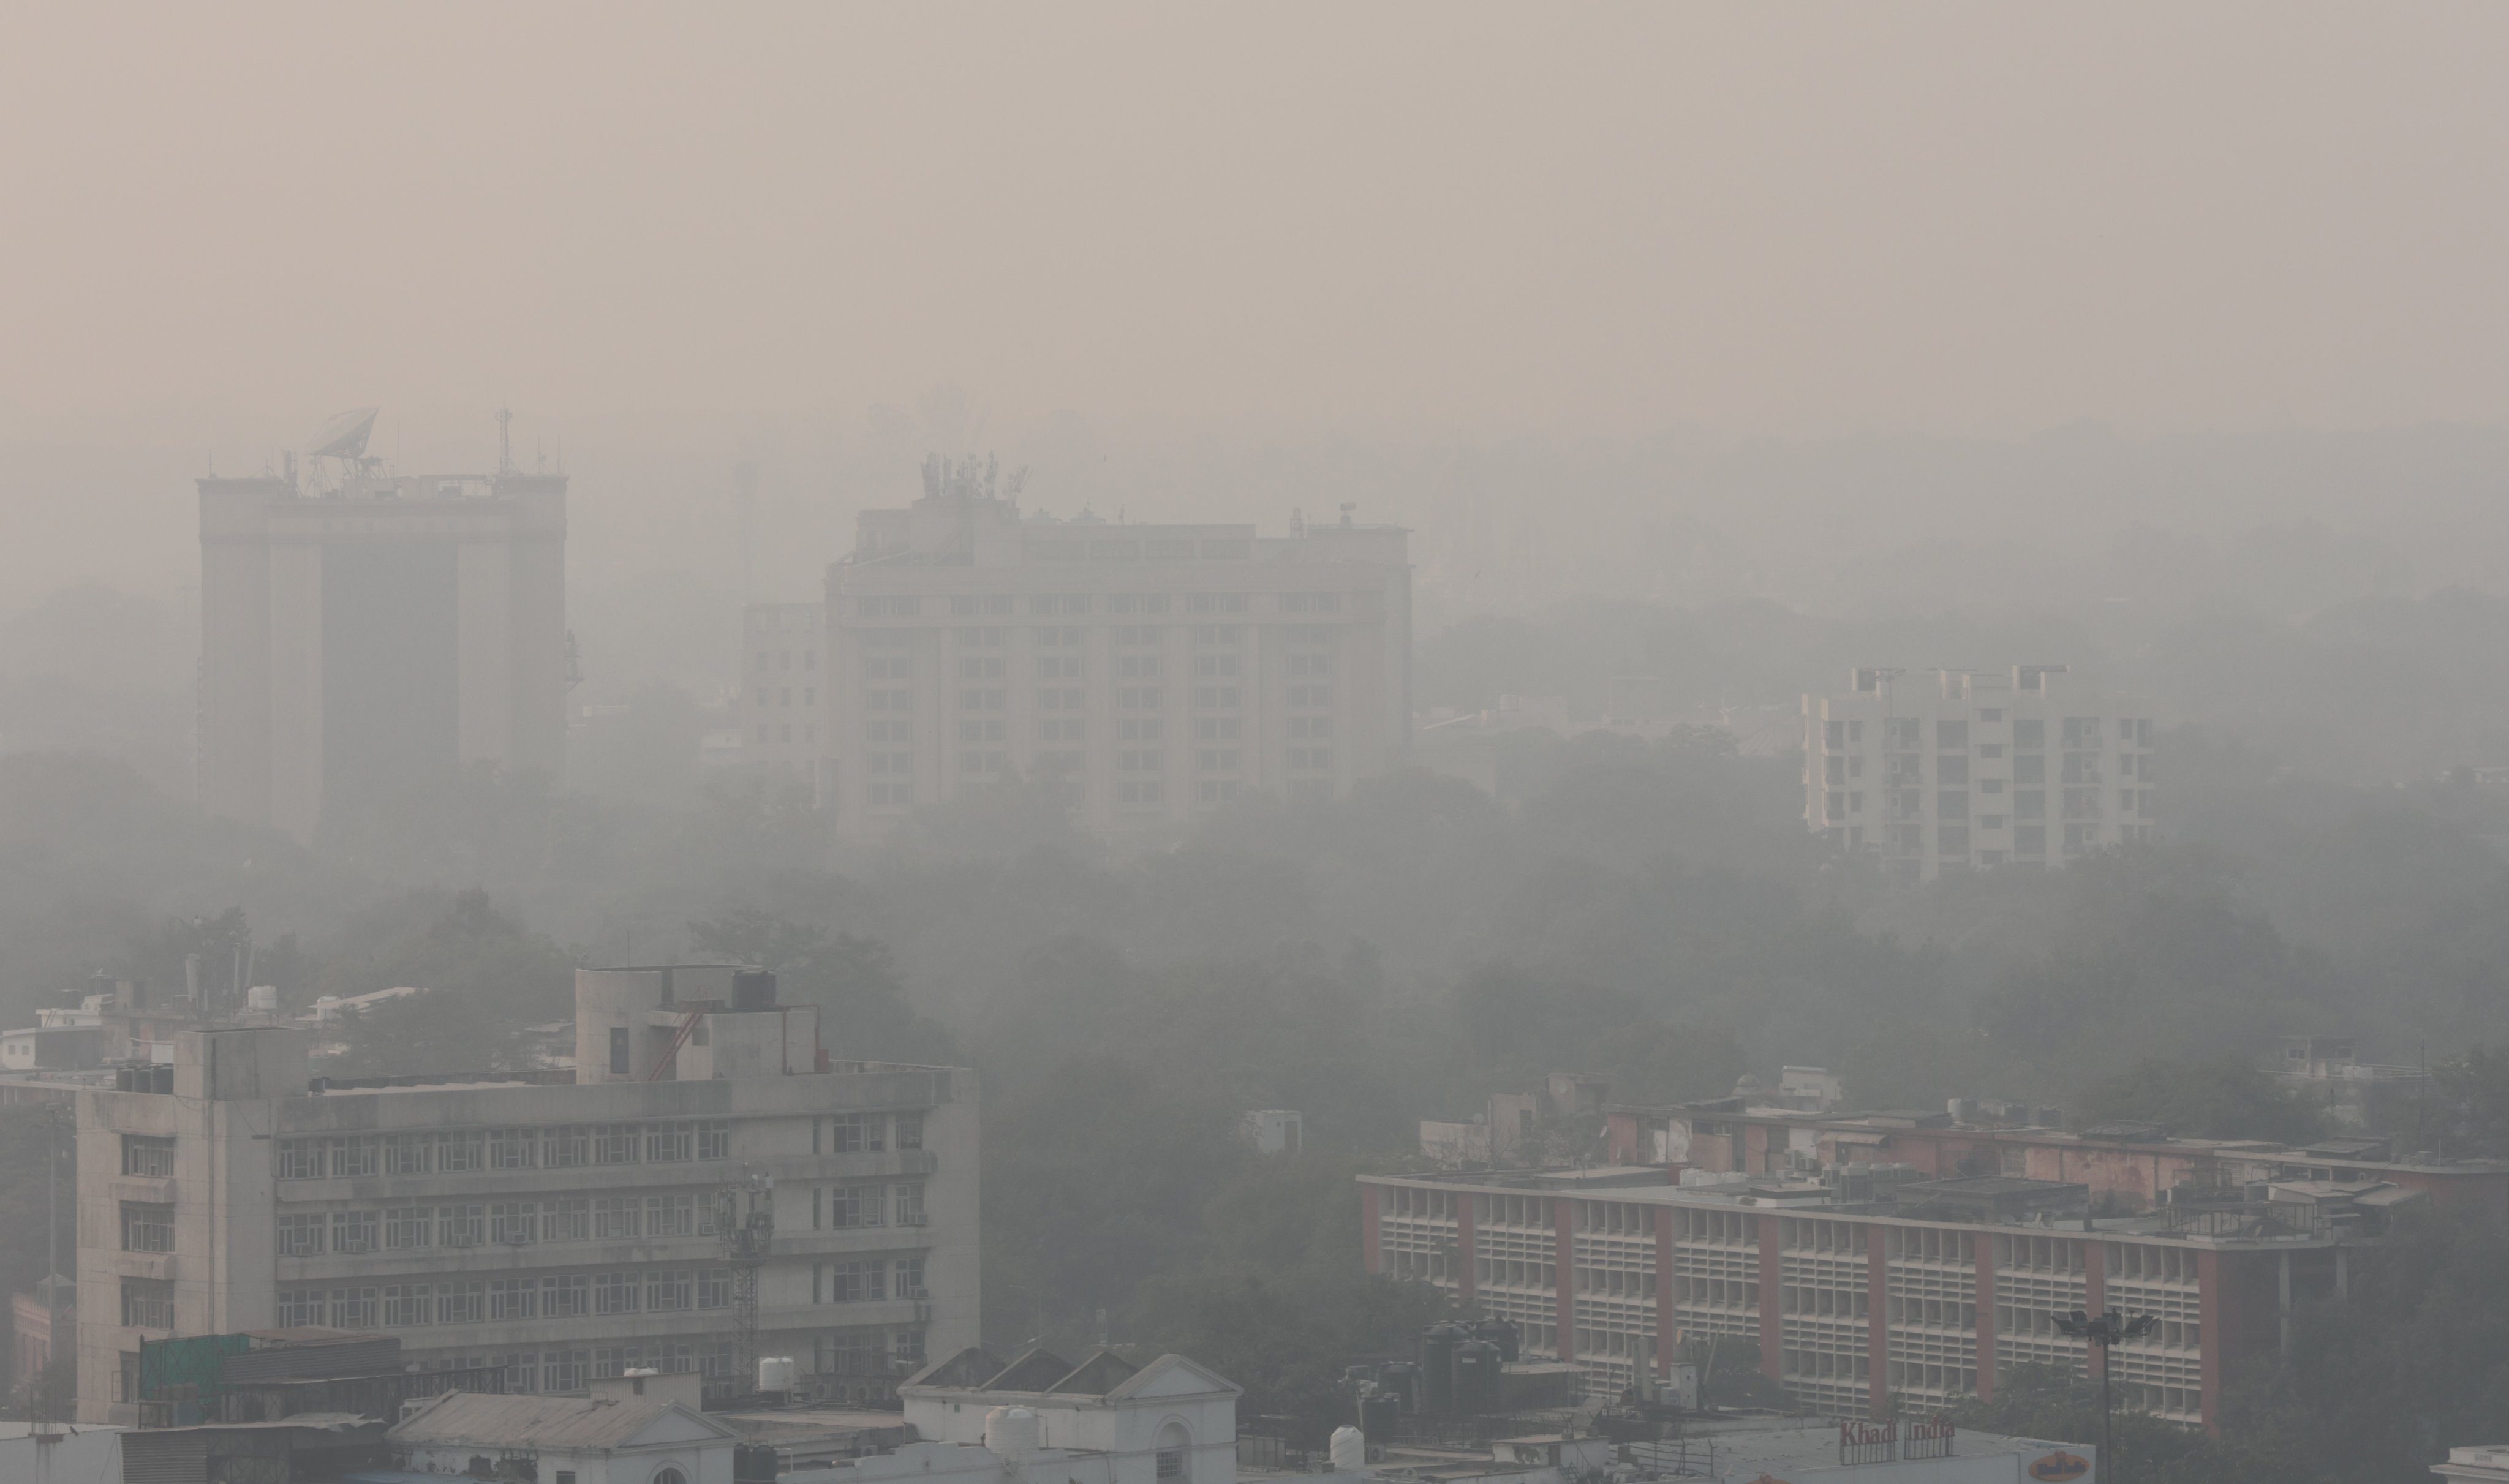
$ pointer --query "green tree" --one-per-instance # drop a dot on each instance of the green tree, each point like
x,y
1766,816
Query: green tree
x,y
1274,1296
2226,1097
488,977
2471,1101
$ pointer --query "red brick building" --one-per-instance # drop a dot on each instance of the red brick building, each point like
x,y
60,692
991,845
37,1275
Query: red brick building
x,y
1921,1289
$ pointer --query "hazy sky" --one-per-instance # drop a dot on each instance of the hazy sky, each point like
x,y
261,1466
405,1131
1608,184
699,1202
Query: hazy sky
x,y
1432,219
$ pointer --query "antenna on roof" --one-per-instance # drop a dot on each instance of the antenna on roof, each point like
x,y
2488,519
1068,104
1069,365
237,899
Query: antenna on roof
x,y
505,440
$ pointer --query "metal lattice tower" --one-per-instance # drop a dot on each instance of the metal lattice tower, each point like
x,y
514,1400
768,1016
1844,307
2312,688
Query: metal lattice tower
x,y
744,1224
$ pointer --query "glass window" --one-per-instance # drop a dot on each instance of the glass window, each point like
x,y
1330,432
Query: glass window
x,y
353,1231
147,1227
564,1295
511,1148
146,1155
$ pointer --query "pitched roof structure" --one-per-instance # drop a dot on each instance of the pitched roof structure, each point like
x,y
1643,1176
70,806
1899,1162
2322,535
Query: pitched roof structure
x,y
564,1423
1101,1373
966,1370
1105,1374
1036,1371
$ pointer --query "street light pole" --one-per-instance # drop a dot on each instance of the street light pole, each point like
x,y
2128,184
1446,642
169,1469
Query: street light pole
x,y
2107,1330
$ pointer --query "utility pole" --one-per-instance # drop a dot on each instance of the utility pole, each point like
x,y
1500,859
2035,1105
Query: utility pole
x,y
2109,1329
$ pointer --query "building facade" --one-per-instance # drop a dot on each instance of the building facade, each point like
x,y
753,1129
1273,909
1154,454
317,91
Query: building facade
x,y
1956,769
707,1182
1162,670
777,710
2126,1168
1849,1302
354,637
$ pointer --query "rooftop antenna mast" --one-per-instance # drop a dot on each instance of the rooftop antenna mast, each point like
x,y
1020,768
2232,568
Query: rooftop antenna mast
x,y
505,440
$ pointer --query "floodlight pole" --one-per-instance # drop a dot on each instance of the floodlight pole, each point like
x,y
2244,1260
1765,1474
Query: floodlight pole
x,y
2103,1332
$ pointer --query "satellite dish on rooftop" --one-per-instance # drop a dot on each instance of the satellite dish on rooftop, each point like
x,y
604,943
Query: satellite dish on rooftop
x,y
345,436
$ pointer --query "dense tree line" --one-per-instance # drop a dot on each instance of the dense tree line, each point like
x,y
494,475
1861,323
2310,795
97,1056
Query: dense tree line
x,y
1651,912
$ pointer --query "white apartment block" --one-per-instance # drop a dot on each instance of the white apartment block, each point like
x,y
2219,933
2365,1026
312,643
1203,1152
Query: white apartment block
x,y
562,1224
777,710
1961,769
1163,670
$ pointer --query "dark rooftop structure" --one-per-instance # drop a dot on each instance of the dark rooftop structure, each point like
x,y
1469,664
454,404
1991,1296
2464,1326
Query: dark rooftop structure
x,y
1993,1199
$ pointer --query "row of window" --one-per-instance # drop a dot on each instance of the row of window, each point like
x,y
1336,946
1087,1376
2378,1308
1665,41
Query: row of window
x,y
1131,791
978,732
783,696
867,1281
461,1150
1049,698
506,1223
1907,733
1122,636
1906,770
1051,667
784,661
1128,762
1081,604
492,1300
2027,803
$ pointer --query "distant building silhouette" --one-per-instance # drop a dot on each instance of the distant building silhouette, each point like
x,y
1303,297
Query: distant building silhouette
x,y
356,634
1961,769
1163,670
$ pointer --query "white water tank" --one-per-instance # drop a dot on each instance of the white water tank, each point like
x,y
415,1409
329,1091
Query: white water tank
x,y
1012,1432
775,1373
1349,1450
262,997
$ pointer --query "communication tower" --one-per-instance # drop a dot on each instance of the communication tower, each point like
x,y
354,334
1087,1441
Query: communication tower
x,y
744,1224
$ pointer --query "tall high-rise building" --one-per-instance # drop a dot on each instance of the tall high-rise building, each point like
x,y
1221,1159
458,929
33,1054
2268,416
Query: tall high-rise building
x,y
356,633
1163,669
1959,769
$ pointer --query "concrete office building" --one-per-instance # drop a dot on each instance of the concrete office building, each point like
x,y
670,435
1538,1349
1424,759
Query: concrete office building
x,y
1918,1290
1955,769
777,711
1163,669
562,1224
356,634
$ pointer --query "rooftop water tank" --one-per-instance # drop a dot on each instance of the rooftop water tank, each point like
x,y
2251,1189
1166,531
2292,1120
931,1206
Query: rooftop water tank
x,y
1013,1433
262,997
1349,1450
776,1373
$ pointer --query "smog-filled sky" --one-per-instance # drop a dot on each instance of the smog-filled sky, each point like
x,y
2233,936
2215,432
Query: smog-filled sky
x,y
1946,218
1228,262
1773,290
